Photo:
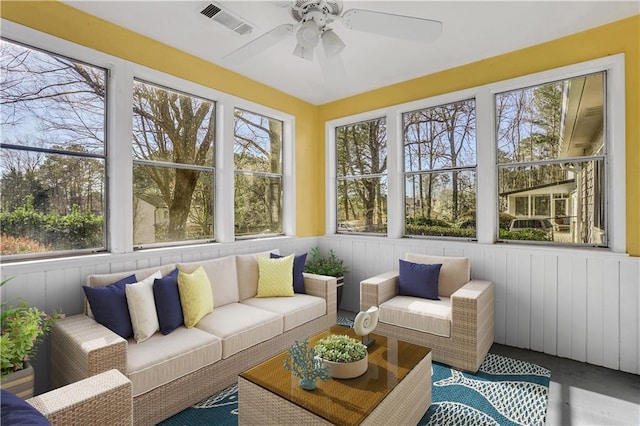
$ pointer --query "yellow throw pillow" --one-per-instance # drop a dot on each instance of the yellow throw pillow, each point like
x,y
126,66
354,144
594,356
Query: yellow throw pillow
x,y
275,276
196,297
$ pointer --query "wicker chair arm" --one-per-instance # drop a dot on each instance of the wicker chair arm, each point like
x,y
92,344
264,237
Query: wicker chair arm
x,y
81,348
322,286
472,313
378,289
102,399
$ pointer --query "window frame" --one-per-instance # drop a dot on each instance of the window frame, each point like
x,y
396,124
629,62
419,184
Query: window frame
x,y
173,165
354,178
442,170
251,173
119,128
486,176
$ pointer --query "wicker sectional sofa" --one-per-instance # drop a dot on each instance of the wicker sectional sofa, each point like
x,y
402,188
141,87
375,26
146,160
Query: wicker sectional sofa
x,y
171,372
458,328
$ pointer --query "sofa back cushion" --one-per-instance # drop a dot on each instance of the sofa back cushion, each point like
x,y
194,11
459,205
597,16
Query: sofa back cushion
x,y
454,273
222,276
247,267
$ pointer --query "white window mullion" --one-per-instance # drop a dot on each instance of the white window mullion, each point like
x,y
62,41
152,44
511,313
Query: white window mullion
x,y
395,179
224,214
486,172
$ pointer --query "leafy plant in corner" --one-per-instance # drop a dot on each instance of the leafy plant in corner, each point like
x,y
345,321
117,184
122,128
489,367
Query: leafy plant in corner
x,y
340,348
22,327
331,265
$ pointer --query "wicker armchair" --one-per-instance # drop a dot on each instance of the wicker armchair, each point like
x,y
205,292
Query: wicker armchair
x,y
103,399
466,310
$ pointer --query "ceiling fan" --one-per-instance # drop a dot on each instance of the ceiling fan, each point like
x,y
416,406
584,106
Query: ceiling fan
x,y
314,28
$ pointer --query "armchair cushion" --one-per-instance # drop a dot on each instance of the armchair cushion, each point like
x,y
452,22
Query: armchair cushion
x,y
16,411
425,315
455,271
419,280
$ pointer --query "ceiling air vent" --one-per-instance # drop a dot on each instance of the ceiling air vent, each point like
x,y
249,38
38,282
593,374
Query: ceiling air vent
x,y
216,13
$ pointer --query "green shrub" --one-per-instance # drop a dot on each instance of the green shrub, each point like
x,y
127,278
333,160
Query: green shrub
x,y
440,231
77,230
526,234
423,221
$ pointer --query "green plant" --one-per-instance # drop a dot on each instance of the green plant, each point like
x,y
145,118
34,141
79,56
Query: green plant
x,y
303,362
22,327
340,348
331,265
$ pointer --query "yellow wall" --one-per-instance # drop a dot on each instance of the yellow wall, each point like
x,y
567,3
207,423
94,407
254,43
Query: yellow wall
x,y
623,36
619,37
63,21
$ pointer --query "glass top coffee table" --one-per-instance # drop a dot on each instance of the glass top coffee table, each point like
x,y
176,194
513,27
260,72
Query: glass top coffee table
x,y
396,389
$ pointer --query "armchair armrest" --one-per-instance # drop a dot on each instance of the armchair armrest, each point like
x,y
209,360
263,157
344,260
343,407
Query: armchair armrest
x,y
81,347
472,313
106,397
378,289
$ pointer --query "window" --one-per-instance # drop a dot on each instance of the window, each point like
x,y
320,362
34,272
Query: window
x,y
52,167
440,170
257,152
173,166
551,151
361,163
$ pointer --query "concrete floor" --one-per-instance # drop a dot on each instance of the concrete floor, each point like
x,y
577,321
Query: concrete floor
x,y
584,394
579,393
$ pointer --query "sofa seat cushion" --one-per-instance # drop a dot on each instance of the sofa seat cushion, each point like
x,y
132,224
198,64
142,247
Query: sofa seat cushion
x,y
163,358
241,326
296,310
415,313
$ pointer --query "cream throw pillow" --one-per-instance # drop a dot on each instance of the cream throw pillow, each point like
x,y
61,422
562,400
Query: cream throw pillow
x,y
142,307
275,276
196,297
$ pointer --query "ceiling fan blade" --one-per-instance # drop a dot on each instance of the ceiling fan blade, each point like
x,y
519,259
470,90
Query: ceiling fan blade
x,y
261,43
332,67
396,26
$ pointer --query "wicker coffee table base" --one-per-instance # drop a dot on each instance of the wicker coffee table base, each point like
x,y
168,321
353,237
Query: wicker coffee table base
x,y
404,405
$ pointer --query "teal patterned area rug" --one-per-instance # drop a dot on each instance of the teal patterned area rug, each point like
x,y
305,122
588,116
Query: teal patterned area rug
x,y
504,391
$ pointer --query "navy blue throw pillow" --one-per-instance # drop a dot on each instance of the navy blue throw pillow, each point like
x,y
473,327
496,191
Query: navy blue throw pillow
x,y
298,268
109,306
167,298
419,280
16,411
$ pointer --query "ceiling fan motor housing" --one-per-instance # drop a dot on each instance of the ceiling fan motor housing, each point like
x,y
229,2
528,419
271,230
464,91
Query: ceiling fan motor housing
x,y
328,9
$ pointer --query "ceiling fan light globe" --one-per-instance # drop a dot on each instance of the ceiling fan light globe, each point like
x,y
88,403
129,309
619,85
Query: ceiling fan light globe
x,y
308,35
303,52
332,43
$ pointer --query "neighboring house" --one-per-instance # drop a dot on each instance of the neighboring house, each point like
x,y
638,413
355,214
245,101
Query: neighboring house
x,y
150,212
581,134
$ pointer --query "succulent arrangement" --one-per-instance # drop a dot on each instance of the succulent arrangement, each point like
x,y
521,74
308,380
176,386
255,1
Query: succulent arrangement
x,y
340,348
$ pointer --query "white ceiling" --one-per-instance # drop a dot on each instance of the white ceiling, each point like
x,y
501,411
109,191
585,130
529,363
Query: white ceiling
x,y
472,30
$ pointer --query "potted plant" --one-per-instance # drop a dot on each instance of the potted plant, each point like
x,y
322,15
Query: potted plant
x,y
22,327
303,362
344,356
331,266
